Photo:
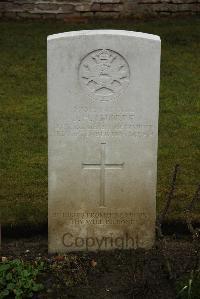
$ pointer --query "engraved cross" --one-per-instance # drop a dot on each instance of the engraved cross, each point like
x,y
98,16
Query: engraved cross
x,y
102,166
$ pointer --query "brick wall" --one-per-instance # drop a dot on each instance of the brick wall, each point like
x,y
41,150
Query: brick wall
x,y
80,10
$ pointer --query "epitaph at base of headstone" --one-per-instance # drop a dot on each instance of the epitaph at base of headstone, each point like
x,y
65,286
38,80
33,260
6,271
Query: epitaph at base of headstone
x,y
103,103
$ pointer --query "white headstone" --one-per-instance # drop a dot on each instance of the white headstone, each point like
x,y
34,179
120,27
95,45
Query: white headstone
x,y
103,102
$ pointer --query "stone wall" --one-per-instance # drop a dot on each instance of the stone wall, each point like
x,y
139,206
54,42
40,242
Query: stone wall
x,y
80,10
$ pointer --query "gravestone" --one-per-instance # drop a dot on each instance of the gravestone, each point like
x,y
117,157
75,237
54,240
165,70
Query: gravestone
x,y
103,102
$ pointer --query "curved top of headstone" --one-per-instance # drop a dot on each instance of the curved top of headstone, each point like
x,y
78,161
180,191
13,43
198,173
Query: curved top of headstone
x,y
104,32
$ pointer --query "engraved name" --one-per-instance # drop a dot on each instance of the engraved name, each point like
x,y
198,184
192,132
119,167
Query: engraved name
x,y
92,124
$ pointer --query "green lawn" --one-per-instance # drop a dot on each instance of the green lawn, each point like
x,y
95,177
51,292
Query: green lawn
x,y
23,136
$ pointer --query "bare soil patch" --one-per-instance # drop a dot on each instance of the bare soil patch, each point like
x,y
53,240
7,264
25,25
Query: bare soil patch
x,y
115,274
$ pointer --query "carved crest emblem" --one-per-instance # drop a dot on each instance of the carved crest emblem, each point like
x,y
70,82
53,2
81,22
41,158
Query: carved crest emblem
x,y
104,74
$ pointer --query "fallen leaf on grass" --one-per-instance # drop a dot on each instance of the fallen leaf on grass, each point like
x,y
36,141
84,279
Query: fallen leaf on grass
x,y
93,263
59,258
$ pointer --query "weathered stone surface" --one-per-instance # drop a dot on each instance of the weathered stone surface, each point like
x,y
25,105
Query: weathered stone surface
x,y
111,7
106,14
67,7
74,18
9,7
103,95
10,15
49,16
100,8
165,13
27,6
3,6
45,6
29,15
83,7
108,1
95,7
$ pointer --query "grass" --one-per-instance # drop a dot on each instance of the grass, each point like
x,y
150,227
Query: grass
x,y
23,136
188,286
18,279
